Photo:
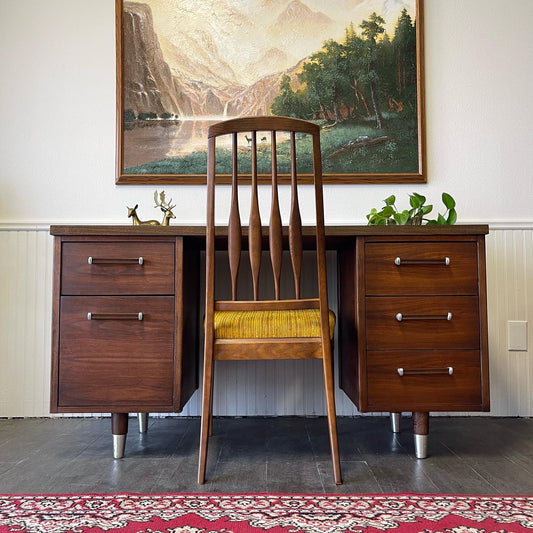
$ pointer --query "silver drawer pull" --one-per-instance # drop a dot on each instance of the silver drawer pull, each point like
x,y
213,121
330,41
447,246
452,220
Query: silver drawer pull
x,y
126,261
400,317
115,316
399,261
425,371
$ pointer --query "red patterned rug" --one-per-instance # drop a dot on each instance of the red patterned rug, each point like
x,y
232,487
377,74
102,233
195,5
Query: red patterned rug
x,y
239,513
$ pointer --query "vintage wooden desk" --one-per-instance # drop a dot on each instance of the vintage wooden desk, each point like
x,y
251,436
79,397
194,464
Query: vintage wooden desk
x,y
412,320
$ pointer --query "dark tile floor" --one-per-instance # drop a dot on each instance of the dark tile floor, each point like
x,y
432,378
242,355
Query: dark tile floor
x,y
466,456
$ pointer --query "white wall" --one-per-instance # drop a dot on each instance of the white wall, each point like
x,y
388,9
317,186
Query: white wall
x,y
57,163
57,127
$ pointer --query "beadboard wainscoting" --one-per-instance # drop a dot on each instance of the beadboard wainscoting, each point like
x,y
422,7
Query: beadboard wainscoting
x,y
268,388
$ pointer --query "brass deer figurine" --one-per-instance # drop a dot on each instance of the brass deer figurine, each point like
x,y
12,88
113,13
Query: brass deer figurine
x,y
161,203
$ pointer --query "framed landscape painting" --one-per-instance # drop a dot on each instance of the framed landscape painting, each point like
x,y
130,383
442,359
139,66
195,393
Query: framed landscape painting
x,y
355,67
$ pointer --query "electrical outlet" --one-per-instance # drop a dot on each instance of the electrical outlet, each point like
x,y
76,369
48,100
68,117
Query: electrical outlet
x,y
517,335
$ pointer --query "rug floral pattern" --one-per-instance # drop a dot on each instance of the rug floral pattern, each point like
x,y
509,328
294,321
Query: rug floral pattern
x,y
210,513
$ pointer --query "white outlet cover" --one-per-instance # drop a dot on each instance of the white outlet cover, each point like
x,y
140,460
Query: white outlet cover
x,y
517,335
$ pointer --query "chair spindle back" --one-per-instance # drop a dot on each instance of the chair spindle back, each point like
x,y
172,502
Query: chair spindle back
x,y
271,129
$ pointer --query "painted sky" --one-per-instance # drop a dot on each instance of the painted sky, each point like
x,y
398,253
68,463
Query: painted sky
x,y
274,33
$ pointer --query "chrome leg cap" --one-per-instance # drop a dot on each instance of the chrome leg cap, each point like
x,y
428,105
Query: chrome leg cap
x,y
119,444
143,422
395,419
421,446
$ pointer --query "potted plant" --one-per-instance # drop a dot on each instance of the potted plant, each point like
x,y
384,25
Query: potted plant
x,y
416,215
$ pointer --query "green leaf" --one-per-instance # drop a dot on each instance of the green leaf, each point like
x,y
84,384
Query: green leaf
x,y
452,217
391,200
427,209
402,218
441,220
416,200
448,201
387,211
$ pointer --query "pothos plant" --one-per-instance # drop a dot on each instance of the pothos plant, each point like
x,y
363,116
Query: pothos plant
x,y
391,216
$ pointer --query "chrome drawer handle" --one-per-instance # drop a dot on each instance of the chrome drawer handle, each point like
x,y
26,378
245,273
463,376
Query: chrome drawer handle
x,y
400,317
126,261
115,316
399,261
425,371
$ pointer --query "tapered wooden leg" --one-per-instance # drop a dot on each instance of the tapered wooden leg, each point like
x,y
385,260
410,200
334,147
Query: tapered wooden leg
x,y
211,416
332,416
421,432
207,391
119,429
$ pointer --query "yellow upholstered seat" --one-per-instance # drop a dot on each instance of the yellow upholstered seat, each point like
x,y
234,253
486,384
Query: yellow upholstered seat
x,y
298,323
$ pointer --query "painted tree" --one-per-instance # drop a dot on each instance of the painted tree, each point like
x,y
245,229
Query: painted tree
x,y
313,75
371,30
285,103
355,49
325,76
404,43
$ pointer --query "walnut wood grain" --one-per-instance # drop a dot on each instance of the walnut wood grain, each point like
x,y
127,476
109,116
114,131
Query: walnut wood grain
x,y
295,224
430,331
234,224
112,276
275,226
199,231
433,389
116,362
124,365
429,274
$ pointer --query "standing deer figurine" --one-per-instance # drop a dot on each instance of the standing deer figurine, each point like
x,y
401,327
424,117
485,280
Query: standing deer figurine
x,y
161,203
165,207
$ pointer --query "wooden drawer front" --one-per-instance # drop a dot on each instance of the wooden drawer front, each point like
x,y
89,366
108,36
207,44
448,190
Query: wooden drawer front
x,y
424,323
426,381
115,358
115,268
422,268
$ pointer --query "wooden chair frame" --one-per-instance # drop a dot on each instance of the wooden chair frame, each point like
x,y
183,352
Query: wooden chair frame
x,y
269,348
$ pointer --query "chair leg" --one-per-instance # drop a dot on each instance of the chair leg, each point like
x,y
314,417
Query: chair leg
x,y
206,419
211,415
332,416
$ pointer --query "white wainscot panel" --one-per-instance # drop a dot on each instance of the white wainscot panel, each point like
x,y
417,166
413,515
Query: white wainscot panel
x,y
267,388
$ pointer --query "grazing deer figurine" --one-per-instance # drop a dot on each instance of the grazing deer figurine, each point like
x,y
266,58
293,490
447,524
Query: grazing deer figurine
x,y
132,212
161,203
165,207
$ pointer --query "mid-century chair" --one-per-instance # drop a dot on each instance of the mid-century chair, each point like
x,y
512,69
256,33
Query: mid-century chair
x,y
295,328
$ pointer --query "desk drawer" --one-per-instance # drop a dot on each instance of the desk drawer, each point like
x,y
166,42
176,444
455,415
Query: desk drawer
x,y
115,355
416,322
117,268
403,268
409,380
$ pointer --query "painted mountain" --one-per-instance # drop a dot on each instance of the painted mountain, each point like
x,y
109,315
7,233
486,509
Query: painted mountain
x,y
200,57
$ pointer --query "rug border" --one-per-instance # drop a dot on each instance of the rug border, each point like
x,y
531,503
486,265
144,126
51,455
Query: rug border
x,y
263,494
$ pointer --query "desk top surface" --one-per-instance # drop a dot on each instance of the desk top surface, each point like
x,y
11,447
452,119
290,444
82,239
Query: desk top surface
x,y
331,231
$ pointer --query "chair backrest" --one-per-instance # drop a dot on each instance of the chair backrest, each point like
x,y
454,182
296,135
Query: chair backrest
x,y
260,138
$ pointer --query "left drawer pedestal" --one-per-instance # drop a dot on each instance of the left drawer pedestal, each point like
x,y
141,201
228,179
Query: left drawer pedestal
x,y
124,327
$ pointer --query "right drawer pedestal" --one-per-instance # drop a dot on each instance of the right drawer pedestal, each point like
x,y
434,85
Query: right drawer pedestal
x,y
413,327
